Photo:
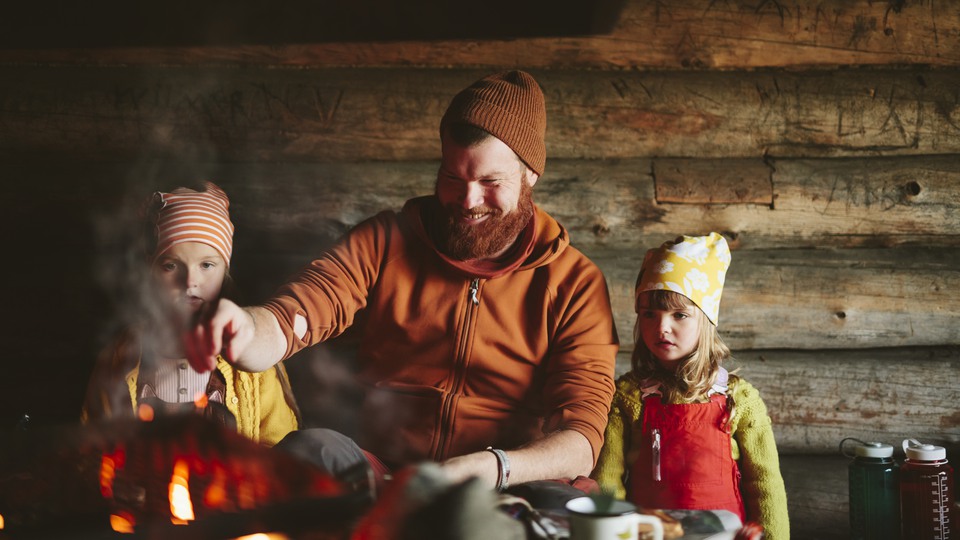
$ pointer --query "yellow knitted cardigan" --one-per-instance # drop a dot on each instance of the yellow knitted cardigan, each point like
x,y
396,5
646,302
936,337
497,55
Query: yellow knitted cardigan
x,y
262,403
753,445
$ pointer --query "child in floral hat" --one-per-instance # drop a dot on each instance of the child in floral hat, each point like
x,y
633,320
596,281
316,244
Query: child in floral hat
x,y
682,432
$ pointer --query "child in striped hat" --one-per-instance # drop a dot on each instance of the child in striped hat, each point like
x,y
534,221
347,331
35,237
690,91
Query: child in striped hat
x,y
190,243
682,433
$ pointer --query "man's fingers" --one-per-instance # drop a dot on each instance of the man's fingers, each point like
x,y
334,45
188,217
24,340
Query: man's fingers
x,y
202,340
193,345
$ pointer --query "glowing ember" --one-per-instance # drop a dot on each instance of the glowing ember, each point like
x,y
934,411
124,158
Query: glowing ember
x,y
200,400
122,523
108,471
145,412
181,507
264,536
216,494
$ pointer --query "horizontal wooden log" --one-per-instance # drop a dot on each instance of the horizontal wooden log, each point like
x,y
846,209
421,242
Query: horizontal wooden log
x,y
694,34
811,299
817,398
882,277
824,203
732,181
353,115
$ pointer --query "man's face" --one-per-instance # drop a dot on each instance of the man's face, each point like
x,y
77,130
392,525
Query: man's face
x,y
487,198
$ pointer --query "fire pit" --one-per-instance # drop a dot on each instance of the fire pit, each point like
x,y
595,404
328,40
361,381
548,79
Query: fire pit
x,y
175,476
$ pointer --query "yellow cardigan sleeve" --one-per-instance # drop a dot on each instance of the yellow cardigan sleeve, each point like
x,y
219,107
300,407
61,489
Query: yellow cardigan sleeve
x,y
761,484
612,462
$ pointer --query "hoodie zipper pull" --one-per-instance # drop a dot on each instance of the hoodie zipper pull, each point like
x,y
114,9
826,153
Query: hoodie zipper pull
x,y
656,454
474,289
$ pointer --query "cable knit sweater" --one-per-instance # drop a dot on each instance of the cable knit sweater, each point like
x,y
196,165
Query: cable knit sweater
x,y
753,446
262,403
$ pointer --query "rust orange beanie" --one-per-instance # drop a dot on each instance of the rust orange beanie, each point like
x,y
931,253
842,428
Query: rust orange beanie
x,y
509,105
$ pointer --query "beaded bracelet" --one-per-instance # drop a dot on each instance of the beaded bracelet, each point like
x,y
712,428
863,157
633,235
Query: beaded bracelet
x,y
503,468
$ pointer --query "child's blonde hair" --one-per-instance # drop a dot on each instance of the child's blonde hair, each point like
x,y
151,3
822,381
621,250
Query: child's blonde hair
x,y
697,373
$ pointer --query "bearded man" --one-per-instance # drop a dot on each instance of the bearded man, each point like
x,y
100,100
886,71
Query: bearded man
x,y
487,341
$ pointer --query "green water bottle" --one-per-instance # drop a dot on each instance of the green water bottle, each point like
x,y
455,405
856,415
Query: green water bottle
x,y
874,491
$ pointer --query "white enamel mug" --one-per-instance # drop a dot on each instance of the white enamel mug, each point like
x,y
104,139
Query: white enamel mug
x,y
619,521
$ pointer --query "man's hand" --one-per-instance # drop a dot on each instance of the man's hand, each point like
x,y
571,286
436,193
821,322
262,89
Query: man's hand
x,y
480,464
223,328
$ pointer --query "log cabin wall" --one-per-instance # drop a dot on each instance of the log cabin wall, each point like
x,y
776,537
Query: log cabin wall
x,y
820,137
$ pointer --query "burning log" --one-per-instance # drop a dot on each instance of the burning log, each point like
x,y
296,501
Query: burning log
x,y
181,476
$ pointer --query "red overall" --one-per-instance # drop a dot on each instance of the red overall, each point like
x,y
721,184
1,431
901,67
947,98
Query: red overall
x,y
685,458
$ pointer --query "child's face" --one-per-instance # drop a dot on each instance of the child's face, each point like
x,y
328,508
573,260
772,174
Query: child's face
x,y
189,275
671,335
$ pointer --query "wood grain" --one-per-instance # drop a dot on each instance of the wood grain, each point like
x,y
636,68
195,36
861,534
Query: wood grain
x,y
356,115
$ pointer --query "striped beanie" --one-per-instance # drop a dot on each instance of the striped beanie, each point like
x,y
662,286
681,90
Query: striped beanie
x,y
508,105
185,215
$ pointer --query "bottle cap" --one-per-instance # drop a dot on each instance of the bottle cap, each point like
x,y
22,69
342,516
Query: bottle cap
x,y
923,452
873,450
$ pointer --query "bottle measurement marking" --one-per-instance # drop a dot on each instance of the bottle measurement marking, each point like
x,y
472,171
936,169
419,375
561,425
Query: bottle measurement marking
x,y
941,501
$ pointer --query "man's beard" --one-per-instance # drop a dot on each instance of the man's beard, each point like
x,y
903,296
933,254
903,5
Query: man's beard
x,y
486,239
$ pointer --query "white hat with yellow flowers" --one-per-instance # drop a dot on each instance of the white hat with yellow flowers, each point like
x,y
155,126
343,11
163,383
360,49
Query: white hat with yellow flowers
x,y
694,266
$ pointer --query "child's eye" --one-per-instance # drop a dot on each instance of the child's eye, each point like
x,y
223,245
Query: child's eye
x,y
680,315
168,267
207,265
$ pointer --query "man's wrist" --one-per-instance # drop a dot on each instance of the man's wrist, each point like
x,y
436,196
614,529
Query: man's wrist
x,y
503,468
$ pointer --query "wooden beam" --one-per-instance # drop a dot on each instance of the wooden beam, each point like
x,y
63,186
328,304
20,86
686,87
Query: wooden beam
x,y
684,34
824,266
610,204
332,115
713,181
809,299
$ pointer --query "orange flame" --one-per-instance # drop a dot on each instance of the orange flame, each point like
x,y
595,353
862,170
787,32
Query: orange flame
x,y
1,522
216,493
109,465
122,523
108,471
181,507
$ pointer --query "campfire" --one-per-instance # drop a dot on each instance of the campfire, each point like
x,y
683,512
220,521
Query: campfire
x,y
172,476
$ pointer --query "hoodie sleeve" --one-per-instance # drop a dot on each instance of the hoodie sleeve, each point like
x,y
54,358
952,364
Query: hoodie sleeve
x,y
579,384
329,291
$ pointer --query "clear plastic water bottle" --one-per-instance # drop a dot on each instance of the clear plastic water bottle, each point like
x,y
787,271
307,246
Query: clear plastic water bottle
x,y
926,492
874,491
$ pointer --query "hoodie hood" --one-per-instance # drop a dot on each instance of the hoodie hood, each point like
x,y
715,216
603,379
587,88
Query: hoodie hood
x,y
542,241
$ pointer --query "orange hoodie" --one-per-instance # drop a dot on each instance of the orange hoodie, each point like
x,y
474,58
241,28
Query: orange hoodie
x,y
458,358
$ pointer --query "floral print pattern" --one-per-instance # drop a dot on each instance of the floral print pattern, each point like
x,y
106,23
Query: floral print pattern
x,y
694,266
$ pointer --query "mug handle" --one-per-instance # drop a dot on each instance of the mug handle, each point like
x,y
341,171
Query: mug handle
x,y
652,520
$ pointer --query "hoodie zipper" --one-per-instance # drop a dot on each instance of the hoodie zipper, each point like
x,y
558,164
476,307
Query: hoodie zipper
x,y
459,365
